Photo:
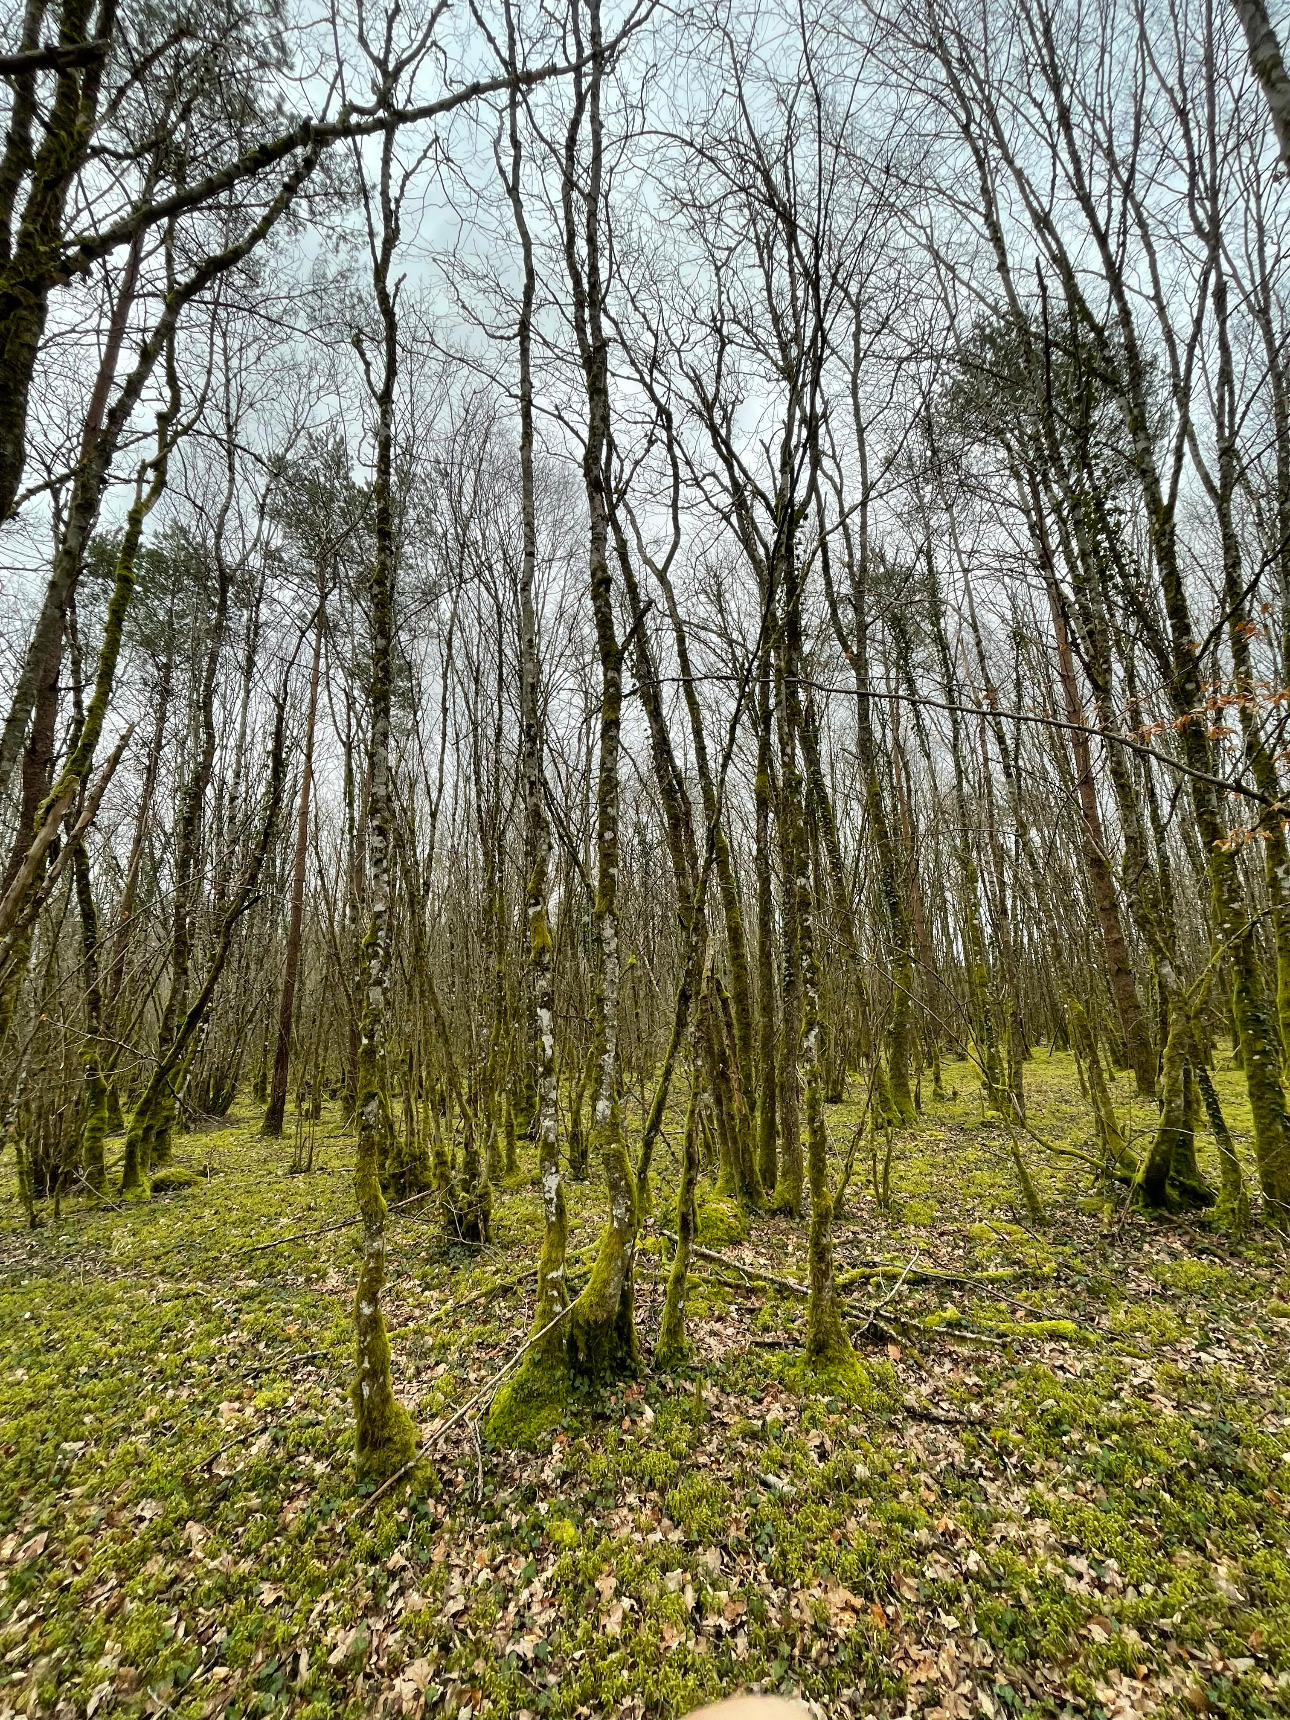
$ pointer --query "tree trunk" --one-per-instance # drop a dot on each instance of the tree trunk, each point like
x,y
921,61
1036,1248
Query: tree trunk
x,y
272,1125
385,1438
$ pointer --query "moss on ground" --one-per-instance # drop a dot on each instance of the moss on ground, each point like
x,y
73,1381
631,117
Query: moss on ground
x,y
173,1179
1002,1517
720,1221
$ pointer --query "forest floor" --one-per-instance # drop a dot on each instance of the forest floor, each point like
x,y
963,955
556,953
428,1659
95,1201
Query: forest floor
x,y
1007,1518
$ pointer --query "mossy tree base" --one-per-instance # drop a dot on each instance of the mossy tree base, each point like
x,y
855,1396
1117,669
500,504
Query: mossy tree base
x,y
672,1349
787,1199
719,1220
602,1326
531,1405
468,1212
386,1439
172,1178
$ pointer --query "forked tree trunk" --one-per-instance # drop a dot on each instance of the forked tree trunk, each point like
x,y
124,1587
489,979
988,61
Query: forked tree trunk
x,y
602,1330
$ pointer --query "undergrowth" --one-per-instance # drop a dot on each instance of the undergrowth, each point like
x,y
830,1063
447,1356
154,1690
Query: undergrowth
x,y
1058,1485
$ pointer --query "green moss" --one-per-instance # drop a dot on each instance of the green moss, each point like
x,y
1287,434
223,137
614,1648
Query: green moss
x,y
1067,1330
531,1405
797,1480
1159,1325
721,1221
700,1504
562,1533
171,1179
1199,1278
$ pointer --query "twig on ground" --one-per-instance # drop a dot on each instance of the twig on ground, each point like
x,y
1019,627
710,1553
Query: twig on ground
x,y
324,1229
738,1266
485,1391
891,1295
479,1460
923,1411
283,1362
908,1272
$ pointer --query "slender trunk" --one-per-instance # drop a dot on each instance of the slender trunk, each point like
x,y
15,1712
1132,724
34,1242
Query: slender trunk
x,y
272,1125
602,1332
1137,1037
827,1343
527,1404
767,1099
123,928
672,1347
789,1187
385,1438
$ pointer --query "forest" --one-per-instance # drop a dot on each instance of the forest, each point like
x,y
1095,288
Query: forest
x,y
644,858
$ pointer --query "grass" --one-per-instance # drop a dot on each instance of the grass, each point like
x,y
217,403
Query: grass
x,y
1076,1506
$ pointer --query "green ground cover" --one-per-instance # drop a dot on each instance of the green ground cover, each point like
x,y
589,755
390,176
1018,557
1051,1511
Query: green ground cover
x,y
1062,1487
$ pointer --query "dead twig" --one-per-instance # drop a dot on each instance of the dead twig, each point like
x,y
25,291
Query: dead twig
x,y
325,1229
479,1461
754,1272
485,1392
891,1295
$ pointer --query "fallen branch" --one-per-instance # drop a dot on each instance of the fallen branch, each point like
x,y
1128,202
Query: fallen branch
x,y
909,1273
928,1275
920,1274
325,1229
711,1278
754,1272
891,1295
952,1329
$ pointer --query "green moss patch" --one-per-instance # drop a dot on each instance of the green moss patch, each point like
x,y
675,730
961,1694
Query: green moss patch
x,y
991,1514
172,1179
720,1221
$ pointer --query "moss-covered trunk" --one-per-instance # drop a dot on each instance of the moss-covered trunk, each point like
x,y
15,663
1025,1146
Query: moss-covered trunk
x,y
1110,1136
1233,1209
1153,1175
384,1436
34,836
672,1345
33,255
1264,1044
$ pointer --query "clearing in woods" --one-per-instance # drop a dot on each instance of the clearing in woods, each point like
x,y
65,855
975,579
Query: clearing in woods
x,y
1064,1488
